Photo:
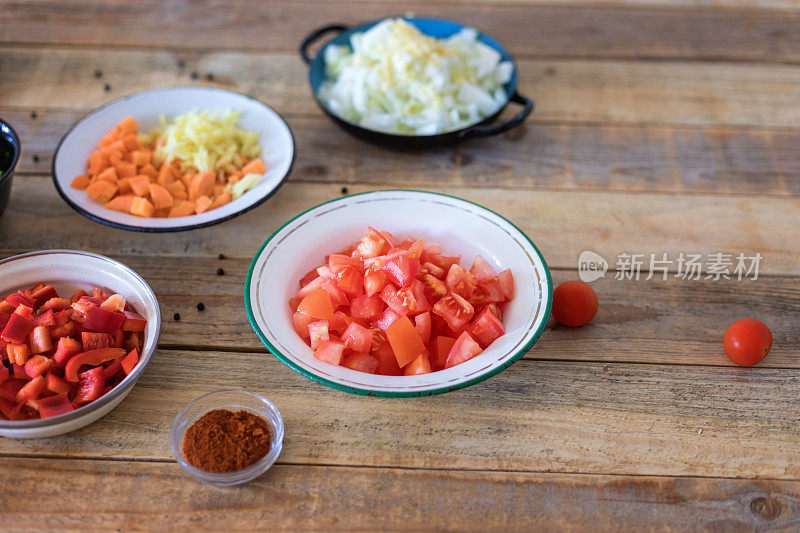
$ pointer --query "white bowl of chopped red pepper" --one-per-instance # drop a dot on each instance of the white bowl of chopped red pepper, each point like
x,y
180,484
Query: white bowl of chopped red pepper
x,y
78,329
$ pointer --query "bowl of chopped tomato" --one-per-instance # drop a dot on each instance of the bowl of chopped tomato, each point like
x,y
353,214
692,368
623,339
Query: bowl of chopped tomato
x,y
398,293
76,331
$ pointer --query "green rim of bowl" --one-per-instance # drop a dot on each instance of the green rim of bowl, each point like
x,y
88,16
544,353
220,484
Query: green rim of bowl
x,y
385,394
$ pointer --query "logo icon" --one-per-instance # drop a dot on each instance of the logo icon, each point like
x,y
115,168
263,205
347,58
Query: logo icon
x,y
591,266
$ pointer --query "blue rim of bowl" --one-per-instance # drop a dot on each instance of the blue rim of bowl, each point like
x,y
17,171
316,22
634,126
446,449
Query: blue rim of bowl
x,y
385,394
9,172
116,391
405,136
214,478
143,229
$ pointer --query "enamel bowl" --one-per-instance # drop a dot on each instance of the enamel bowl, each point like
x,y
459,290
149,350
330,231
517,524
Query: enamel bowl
x,y
440,29
68,270
277,151
460,227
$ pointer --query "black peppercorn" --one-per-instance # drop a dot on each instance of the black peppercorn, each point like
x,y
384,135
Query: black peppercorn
x,y
200,306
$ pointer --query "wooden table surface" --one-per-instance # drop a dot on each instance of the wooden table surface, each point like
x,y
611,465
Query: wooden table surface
x,y
662,126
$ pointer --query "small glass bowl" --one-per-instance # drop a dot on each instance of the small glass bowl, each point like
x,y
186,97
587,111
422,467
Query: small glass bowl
x,y
233,400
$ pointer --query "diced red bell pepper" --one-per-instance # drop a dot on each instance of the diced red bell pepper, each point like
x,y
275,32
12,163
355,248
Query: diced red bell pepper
x,y
6,307
90,385
37,365
82,306
19,372
130,361
330,351
63,316
56,304
25,312
4,318
57,384
20,298
115,302
48,318
103,321
43,294
95,341
134,322
99,293
4,373
32,389
9,408
77,295
18,353
111,370
17,329
93,358
10,388
69,329
55,405
65,349
40,340
134,341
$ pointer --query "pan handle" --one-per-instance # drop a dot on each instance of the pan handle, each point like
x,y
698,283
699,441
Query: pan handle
x,y
316,34
493,129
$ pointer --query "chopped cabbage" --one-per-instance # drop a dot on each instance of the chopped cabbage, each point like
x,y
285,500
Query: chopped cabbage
x,y
395,79
204,141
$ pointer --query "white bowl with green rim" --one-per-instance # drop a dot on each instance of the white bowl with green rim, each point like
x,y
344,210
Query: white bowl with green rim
x,y
460,227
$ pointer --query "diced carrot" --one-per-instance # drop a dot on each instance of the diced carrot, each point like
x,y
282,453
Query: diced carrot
x,y
141,207
160,196
131,142
109,175
149,171
187,179
124,186
165,175
202,185
101,191
162,213
221,200
256,166
80,182
140,157
129,125
175,166
121,203
97,162
182,209
234,178
219,189
140,185
116,146
202,204
125,169
115,159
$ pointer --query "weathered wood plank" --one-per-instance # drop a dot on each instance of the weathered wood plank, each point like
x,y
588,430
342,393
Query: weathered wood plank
x,y
669,322
570,30
565,90
564,156
535,416
561,223
135,495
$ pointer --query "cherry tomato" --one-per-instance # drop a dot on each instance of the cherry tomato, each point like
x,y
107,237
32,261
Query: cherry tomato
x,y
574,303
747,342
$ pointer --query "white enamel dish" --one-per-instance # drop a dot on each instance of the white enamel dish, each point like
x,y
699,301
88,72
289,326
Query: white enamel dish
x,y
460,227
68,270
275,138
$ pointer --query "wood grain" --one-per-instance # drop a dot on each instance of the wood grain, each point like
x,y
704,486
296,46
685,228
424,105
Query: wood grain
x,y
536,416
559,156
633,92
150,496
571,30
562,224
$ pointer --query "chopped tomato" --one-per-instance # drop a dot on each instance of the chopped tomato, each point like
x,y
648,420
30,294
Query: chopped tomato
x,y
460,281
423,324
330,351
318,305
464,349
357,338
363,362
387,318
366,307
481,269
486,328
372,244
405,341
506,281
420,365
374,282
318,332
441,349
401,270
455,310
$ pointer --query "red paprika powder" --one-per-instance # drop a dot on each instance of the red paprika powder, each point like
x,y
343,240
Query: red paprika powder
x,y
224,441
